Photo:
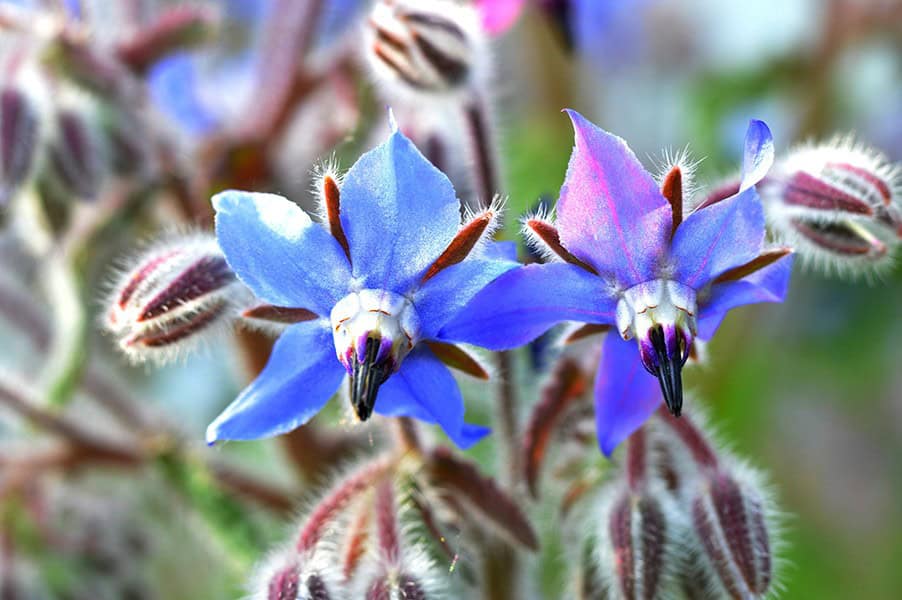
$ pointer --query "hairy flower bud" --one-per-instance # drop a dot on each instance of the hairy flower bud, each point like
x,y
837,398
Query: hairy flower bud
x,y
286,576
431,47
838,204
18,140
175,293
730,519
74,156
637,533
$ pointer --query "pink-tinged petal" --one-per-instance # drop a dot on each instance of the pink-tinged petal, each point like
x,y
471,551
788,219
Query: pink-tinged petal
x,y
769,284
611,213
626,395
525,302
718,238
499,15
758,155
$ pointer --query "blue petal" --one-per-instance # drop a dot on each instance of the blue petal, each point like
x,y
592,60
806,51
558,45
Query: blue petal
x,y
425,389
278,252
173,84
758,155
718,238
300,377
504,250
770,284
611,213
626,395
399,213
443,296
525,302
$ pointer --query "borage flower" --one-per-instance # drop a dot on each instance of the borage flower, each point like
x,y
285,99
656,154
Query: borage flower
x,y
373,284
631,261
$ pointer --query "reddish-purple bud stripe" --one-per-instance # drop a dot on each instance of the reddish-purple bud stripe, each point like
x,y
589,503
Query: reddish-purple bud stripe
x,y
620,530
18,137
804,189
182,330
461,246
451,69
284,584
330,506
142,275
205,276
332,199
672,189
857,174
387,533
839,238
756,264
550,236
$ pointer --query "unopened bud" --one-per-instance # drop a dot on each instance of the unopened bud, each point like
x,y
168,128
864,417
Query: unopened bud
x,y
730,520
74,156
176,293
400,587
127,141
18,140
425,46
293,582
839,204
635,554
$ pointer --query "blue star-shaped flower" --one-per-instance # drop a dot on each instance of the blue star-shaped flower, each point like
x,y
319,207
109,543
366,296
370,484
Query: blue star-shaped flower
x,y
375,283
632,262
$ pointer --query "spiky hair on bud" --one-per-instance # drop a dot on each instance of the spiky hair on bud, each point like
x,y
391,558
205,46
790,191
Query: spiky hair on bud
x,y
839,203
430,49
734,528
171,297
396,568
637,540
286,575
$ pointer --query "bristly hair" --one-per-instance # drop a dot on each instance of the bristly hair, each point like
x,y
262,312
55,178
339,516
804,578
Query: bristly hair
x,y
682,158
326,167
546,214
496,209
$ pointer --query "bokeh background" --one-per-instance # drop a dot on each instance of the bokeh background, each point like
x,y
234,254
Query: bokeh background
x,y
810,391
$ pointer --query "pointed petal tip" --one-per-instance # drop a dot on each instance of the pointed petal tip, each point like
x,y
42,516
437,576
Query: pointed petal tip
x,y
392,122
759,153
470,434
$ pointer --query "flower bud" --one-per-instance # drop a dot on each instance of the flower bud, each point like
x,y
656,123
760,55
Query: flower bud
x,y
729,517
74,156
291,579
425,46
177,292
838,203
18,140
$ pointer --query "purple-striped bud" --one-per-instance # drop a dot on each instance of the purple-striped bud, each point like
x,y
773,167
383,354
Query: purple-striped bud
x,y
290,580
425,46
635,552
177,292
74,155
18,140
730,518
396,587
839,204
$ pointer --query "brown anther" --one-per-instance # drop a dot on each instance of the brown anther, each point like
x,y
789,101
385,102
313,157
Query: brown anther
x,y
279,314
587,330
332,200
456,358
550,236
461,246
672,189
766,258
